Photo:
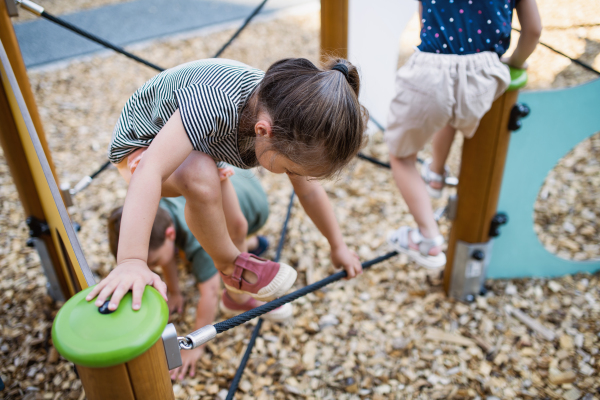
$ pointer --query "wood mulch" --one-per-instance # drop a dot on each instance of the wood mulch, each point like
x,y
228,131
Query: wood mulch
x,y
391,333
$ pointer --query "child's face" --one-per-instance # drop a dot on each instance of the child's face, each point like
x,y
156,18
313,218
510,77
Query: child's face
x,y
162,256
274,162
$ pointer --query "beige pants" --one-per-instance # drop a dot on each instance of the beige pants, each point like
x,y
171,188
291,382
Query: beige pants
x,y
435,90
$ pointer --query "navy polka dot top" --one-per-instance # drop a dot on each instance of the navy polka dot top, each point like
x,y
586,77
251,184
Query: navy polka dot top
x,y
466,26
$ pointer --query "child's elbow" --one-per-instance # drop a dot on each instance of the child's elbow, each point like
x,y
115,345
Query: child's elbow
x,y
535,32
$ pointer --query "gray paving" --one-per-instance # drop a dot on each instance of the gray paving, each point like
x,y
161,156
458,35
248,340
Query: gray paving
x,y
43,42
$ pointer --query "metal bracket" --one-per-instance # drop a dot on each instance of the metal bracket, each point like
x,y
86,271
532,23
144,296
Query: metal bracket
x,y
52,285
498,220
452,207
37,228
469,269
518,111
11,7
171,345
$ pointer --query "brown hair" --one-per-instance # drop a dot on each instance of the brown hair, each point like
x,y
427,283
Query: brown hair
x,y
317,121
157,236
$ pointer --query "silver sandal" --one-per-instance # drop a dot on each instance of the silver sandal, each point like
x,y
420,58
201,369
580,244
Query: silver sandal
x,y
400,242
429,176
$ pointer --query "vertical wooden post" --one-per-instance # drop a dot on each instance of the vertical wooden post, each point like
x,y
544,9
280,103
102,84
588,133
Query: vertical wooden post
x,y
334,28
11,46
482,167
28,157
145,377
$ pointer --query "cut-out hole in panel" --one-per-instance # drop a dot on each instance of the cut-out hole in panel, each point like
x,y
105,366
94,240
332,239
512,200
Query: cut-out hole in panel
x,y
567,210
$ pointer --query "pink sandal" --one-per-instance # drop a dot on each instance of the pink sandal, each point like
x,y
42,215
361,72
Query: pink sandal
x,y
230,308
274,279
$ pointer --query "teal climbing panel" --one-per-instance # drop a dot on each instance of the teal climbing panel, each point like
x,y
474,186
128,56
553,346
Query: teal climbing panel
x,y
559,120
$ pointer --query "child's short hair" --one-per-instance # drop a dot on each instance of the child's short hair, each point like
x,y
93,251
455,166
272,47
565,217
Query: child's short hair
x,y
157,237
318,122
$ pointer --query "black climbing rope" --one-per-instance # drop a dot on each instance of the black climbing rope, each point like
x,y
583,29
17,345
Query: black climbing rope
x,y
240,371
576,61
241,28
270,306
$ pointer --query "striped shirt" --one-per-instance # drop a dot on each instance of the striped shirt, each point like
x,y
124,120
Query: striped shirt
x,y
210,95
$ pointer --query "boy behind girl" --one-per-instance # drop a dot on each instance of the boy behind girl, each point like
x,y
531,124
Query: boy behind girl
x,y
170,233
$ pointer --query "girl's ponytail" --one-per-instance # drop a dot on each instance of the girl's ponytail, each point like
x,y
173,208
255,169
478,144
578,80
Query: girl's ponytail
x,y
351,75
318,122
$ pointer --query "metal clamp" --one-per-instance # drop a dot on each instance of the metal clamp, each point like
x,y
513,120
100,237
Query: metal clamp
x,y
197,338
31,7
171,345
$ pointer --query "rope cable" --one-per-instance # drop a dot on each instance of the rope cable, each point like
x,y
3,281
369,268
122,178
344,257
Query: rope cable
x,y
265,308
98,40
240,371
241,28
576,61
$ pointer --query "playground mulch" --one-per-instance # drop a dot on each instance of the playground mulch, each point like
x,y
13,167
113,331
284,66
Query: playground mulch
x,y
374,337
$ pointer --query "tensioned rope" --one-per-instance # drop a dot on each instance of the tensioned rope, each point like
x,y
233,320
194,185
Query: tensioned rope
x,y
240,371
576,61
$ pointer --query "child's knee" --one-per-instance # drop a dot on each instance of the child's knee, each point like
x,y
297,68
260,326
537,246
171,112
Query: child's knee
x,y
239,228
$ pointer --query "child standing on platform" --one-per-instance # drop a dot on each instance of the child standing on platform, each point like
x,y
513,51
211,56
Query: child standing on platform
x,y
295,119
448,85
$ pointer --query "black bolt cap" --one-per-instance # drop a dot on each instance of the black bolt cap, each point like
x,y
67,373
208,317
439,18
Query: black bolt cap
x,y
103,309
478,255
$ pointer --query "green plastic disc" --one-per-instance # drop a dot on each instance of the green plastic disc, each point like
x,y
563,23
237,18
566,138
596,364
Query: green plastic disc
x,y
84,336
518,78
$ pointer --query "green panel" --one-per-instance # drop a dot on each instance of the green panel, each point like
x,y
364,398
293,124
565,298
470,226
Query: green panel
x,y
518,78
85,337
559,120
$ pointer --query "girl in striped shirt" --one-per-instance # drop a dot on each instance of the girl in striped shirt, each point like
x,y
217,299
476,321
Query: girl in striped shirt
x,y
179,127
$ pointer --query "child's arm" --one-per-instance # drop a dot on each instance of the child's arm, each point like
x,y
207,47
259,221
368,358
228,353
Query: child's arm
x,y
175,301
206,311
531,29
167,152
313,198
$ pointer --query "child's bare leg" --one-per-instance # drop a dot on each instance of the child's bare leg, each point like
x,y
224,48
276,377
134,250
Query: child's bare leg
x,y
442,142
198,181
236,221
415,194
236,225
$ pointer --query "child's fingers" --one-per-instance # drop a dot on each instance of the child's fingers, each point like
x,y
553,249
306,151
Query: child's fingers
x,y
137,293
118,294
109,287
95,290
183,371
192,370
174,373
160,286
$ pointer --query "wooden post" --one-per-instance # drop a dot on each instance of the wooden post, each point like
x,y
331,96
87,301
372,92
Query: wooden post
x,y
28,157
145,377
11,46
334,28
482,167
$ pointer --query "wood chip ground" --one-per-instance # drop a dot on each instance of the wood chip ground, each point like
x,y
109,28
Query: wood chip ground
x,y
391,333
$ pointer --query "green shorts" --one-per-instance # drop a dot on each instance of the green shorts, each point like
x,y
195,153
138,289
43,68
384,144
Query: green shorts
x,y
255,207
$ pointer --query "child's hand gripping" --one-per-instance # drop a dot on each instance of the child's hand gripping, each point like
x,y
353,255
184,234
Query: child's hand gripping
x,y
341,256
131,275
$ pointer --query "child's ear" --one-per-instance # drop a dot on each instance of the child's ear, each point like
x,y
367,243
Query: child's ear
x,y
263,128
170,233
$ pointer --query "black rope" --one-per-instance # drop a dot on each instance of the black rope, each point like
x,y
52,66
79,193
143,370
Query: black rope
x,y
98,40
576,61
99,170
240,371
265,308
379,126
241,28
